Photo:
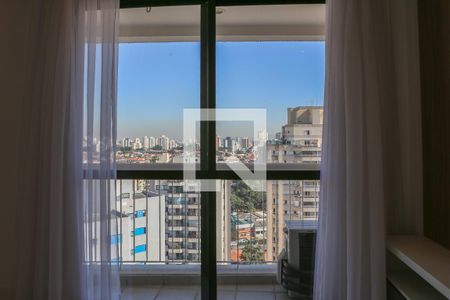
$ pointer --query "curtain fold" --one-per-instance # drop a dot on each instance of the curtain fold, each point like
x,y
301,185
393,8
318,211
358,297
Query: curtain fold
x,y
102,257
371,146
65,228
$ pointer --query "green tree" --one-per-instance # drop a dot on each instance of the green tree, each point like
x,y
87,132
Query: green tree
x,y
244,199
125,149
239,204
252,254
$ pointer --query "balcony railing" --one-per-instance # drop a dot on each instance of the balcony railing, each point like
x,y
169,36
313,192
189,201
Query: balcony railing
x,y
163,225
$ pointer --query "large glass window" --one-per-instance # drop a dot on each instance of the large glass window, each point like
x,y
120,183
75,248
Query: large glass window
x,y
159,76
268,65
261,56
171,228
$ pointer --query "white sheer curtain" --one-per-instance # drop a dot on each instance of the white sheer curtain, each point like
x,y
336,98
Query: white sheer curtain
x,y
102,257
371,159
66,222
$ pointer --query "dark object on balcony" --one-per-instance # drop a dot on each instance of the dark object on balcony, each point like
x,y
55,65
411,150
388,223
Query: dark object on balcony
x,y
297,266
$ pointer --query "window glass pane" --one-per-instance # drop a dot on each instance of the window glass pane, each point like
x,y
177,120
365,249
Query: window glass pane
x,y
140,213
139,249
274,60
254,230
170,228
159,76
138,231
246,220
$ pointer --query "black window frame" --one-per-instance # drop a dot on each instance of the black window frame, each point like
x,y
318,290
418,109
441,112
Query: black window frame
x,y
208,167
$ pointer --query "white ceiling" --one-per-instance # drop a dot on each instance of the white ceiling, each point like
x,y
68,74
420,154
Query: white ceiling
x,y
182,23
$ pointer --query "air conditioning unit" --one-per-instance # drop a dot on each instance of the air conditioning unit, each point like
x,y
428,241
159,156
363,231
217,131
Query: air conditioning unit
x,y
296,262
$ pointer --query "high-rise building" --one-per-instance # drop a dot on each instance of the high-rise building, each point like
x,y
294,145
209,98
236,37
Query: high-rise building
x,y
126,142
142,223
227,143
137,144
164,142
304,126
234,146
300,142
146,142
152,142
230,144
245,142
218,142
278,136
172,144
288,200
160,221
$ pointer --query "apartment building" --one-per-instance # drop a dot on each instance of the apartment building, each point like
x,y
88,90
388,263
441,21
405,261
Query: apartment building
x,y
300,143
301,137
142,223
176,221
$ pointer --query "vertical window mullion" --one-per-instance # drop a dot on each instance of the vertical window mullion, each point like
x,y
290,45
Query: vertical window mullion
x,y
122,234
203,86
208,151
146,221
134,220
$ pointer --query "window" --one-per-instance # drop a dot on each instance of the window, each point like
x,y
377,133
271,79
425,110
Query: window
x,y
158,77
116,239
231,61
139,249
140,213
138,231
309,214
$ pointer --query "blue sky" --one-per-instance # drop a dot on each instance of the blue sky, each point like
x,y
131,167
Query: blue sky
x,y
158,80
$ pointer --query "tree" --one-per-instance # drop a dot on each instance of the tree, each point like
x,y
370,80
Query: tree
x,y
252,254
244,199
239,204
126,149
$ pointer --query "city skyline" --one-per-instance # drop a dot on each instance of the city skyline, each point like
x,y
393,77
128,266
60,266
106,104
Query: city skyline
x,y
158,80
160,219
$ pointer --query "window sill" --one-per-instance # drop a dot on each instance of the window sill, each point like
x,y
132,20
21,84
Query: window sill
x,y
194,269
